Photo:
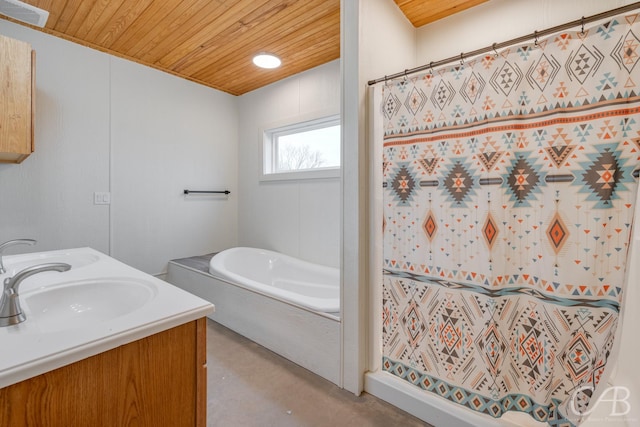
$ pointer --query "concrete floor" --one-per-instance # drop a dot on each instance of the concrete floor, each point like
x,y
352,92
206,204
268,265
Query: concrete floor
x,y
249,385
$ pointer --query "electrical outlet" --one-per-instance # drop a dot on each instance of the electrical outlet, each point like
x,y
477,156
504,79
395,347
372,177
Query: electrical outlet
x,y
102,198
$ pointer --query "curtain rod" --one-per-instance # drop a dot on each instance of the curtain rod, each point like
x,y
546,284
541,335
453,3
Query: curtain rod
x,y
496,46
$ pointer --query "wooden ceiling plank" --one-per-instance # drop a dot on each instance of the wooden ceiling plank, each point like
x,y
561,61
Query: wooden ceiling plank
x,y
45,4
422,12
152,17
166,37
244,85
257,40
114,53
122,20
287,49
308,23
172,17
291,48
247,85
90,19
309,54
403,3
64,19
245,70
78,18
236,31
248,71
104,20
264,39
448,12
55,9
209,28
436,7
298,47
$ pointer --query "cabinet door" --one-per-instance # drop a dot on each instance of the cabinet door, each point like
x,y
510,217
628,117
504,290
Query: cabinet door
x,y
156,381
16,97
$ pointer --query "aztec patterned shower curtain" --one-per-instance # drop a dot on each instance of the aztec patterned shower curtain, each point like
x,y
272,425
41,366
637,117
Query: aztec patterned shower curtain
x,y
509,188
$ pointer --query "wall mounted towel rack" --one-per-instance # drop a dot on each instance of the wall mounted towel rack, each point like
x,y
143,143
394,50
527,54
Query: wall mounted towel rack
x,y
207,192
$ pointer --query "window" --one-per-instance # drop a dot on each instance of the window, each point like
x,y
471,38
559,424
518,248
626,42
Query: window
x,y
309,149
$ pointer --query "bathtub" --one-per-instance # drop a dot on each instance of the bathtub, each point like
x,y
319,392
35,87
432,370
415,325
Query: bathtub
x,y
287,305
308,285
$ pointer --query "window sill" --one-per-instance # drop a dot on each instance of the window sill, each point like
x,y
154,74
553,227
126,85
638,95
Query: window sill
x,y
333,173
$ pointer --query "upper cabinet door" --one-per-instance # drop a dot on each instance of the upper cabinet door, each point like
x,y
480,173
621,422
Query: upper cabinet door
x,y
17,91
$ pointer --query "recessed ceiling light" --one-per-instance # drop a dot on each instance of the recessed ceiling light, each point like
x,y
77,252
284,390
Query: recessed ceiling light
x,y
266,60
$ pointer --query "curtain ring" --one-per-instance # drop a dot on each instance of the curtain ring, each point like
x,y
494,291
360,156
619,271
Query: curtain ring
x,y
405,74
462,58
494,49
582,26
386,81
535,35
431,67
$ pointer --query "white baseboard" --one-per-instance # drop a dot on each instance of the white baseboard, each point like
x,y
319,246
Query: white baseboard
x,y
433,409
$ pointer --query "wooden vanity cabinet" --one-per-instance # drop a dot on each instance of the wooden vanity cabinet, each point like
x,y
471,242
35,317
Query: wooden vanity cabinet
x,y
160,380
17,99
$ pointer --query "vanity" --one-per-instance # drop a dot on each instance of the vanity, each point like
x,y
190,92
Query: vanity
x,y
103,344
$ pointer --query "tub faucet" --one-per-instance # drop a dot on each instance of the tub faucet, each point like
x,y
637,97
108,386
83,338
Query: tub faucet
x,y
10,243
10,311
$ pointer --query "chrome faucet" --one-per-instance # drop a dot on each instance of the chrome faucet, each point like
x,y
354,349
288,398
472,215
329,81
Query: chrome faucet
x,y
10,311
10,243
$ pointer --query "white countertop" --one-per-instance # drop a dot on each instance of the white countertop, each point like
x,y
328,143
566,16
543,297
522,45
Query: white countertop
x,y
32,348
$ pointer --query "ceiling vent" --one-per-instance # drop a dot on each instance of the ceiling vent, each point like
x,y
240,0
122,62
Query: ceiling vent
x,y
24,12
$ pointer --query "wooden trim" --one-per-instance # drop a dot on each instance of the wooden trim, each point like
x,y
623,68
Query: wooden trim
x,y
201,374
33,100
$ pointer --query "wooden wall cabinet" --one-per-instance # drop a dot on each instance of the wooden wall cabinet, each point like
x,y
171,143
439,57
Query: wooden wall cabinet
x,y
160,380
17,99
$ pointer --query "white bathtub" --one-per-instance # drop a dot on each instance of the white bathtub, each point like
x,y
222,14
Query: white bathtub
x,y
284,304
309,285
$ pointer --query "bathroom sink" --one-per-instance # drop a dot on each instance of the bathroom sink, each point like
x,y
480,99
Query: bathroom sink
x,y
76,259
85,303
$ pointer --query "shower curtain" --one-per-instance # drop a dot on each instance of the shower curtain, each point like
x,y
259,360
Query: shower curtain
x,y
509,187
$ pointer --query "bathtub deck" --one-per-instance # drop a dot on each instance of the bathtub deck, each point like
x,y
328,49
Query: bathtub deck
x,y
199,262
310,339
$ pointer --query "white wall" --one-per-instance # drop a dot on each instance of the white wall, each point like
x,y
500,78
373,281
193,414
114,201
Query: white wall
x,y
376,39
49,197
498,21
167,135
387,41
387,46
299,218
105,124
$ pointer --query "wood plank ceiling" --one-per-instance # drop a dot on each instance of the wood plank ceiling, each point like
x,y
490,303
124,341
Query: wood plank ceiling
x,y
422,12
212,42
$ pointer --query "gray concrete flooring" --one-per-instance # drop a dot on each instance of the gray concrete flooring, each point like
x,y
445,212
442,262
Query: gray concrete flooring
x,y
249,385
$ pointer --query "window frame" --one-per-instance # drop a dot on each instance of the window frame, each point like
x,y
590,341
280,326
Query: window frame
x,y
268,148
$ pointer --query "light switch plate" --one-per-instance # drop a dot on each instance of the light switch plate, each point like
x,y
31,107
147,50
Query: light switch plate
x,y
102,198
